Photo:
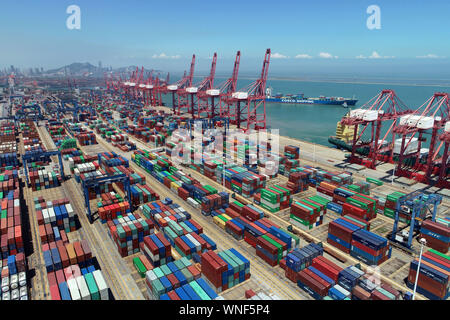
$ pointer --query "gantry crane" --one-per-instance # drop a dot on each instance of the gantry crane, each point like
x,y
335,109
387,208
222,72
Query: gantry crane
x,y
249,103
385,107
417,206
161,88
186,90
147,90
96,182
429,119
131,86
204,91
40,156
226,90
443,179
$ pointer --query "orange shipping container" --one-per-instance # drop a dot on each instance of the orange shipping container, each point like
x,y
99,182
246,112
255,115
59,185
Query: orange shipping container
x,y
71,253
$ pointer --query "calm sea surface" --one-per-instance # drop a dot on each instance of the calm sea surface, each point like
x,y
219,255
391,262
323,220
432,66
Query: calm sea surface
x,y
315,123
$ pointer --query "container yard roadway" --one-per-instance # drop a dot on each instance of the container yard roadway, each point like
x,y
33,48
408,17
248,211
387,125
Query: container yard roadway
x,y
266,277
117,273
262,274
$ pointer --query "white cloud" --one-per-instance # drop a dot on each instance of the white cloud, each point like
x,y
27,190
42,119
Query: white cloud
x,y
376,55
303,56
429,56
164,56
277,55
326,55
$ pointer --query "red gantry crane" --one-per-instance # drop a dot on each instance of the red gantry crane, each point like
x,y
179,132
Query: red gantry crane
x,y
443,179
203,92
179,88
129,84
250,102
384,107
161,88
429,119
147,90
138,85
186,90
226,90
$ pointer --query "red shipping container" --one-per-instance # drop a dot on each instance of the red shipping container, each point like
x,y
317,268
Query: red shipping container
x,y
54,292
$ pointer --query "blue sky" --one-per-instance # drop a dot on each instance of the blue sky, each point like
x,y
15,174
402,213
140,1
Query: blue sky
x,y
119,33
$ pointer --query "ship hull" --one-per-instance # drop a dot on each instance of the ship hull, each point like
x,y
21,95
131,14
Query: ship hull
x,y
349,102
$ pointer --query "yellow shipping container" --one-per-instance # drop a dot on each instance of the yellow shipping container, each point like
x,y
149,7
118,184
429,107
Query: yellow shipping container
x,y
174,186
219,222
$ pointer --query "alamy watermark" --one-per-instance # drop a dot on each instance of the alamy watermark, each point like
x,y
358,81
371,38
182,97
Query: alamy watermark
x,y
374,20
252,147
74,20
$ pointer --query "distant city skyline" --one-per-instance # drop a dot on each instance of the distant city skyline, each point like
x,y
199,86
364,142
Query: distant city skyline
x,y
306,37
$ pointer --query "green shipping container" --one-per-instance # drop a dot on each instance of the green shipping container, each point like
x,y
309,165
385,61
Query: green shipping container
x,y
92,286
139,267
201,293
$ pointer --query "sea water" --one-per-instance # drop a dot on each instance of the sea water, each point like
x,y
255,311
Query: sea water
x,y
315,123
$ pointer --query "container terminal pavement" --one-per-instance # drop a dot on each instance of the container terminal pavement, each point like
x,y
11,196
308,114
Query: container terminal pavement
x,y
93,208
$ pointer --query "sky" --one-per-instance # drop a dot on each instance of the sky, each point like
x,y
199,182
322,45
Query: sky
x,y
321,37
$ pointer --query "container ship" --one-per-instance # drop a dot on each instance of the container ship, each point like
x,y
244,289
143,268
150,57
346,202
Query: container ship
x,y
301,99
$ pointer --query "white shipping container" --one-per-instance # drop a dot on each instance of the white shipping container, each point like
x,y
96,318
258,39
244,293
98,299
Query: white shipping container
x,y
73,289
52,214
342,290
84,290
45,215
197,244
69,210
271,205
150,254
101,284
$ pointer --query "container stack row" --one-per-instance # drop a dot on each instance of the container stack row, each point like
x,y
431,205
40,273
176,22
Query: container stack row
x,y
128,231
56,213
434,273
225,269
